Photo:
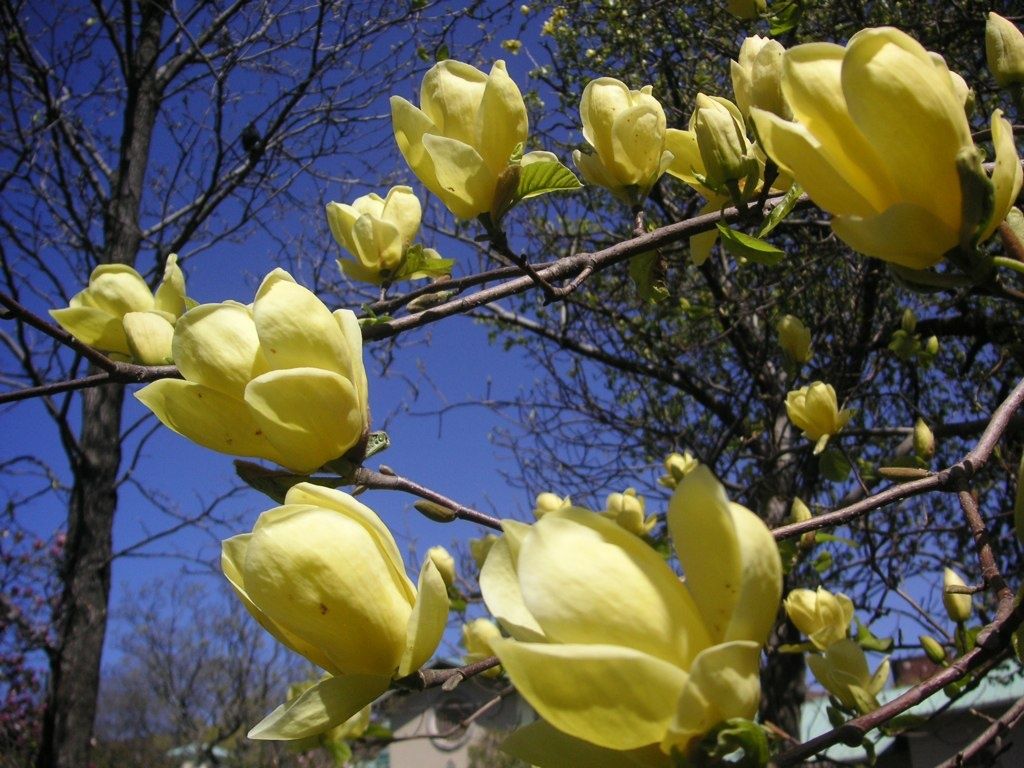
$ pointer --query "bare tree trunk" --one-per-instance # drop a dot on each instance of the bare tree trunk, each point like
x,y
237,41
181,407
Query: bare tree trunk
x,y
75,661
82,613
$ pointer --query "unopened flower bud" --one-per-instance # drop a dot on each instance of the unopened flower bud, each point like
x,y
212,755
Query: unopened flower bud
x,y
549,502
909,321
722,141
444,563
799,511
794,338
932,648
1004,50
924,440
627,509
757,77
958,605
678,466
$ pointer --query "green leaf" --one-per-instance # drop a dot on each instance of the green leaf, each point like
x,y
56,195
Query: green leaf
x,y
749,248
339,751
902,723
834,465
835,717
422,262
867,640
647,275
782,210
736,742
822,562
820,537
441,53
785,17
543,177
376,442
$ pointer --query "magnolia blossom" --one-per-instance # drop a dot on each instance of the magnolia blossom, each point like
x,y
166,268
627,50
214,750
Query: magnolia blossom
x,y
881,141
118,314
462,138
1004,50
794,338
324,576
757,77
843,671
823,616
815,410
611,648
627,131
281,379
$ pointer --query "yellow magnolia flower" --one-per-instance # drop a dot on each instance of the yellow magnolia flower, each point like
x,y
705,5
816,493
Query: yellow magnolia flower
x,y
959,606
627,509
843,671
1004,50
757,77
627,131
881,141
794,338
610,646
548,502
119,315
476,639
281,380
823,616
463,135
677,466
324,576
377,232
815,410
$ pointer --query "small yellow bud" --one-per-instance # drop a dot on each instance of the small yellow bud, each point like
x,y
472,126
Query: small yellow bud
x,y
549,502
794,338
958,605
627,509
924,440
932,648
678,466
722,141
476,639
1004,50
799,511
444,563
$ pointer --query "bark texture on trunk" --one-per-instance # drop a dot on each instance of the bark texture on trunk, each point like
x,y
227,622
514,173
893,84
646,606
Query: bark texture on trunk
x,y
81,616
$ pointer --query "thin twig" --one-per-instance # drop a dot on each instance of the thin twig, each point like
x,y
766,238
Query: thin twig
x,y
1002,726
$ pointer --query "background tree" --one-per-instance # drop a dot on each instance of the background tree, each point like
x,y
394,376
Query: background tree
x,y
133,131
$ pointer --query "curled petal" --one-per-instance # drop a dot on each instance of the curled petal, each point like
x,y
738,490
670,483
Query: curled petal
x,y
428,620
330,702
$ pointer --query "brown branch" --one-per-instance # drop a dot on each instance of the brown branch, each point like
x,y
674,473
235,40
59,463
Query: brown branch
x,y
370,478
964,469
448,679
1001,727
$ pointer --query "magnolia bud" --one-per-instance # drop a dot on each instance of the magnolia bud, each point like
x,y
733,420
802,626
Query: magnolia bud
x,y
794,338
479,548
722,141
909,321
444,563
958,605
678,466
799,511
627,509
924,440
1004,50
549,502
932,648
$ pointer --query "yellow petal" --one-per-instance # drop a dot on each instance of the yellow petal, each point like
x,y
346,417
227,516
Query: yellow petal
x,y
94,327
339,501
330,702
1007,175
309,415
501,123
542,745
813,87
403,210
232,560
612,696
320,575
724,683
577,570
117,288
637,142
464,182
170,294
341,218
904,234
729,557
295,328
500,587
427,622
216,345
149,337
450,97
209,418
601,101
802,155
686,159
909,111
354,370
410,125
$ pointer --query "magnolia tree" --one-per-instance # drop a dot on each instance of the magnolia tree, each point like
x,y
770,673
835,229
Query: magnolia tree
x,y
636,634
